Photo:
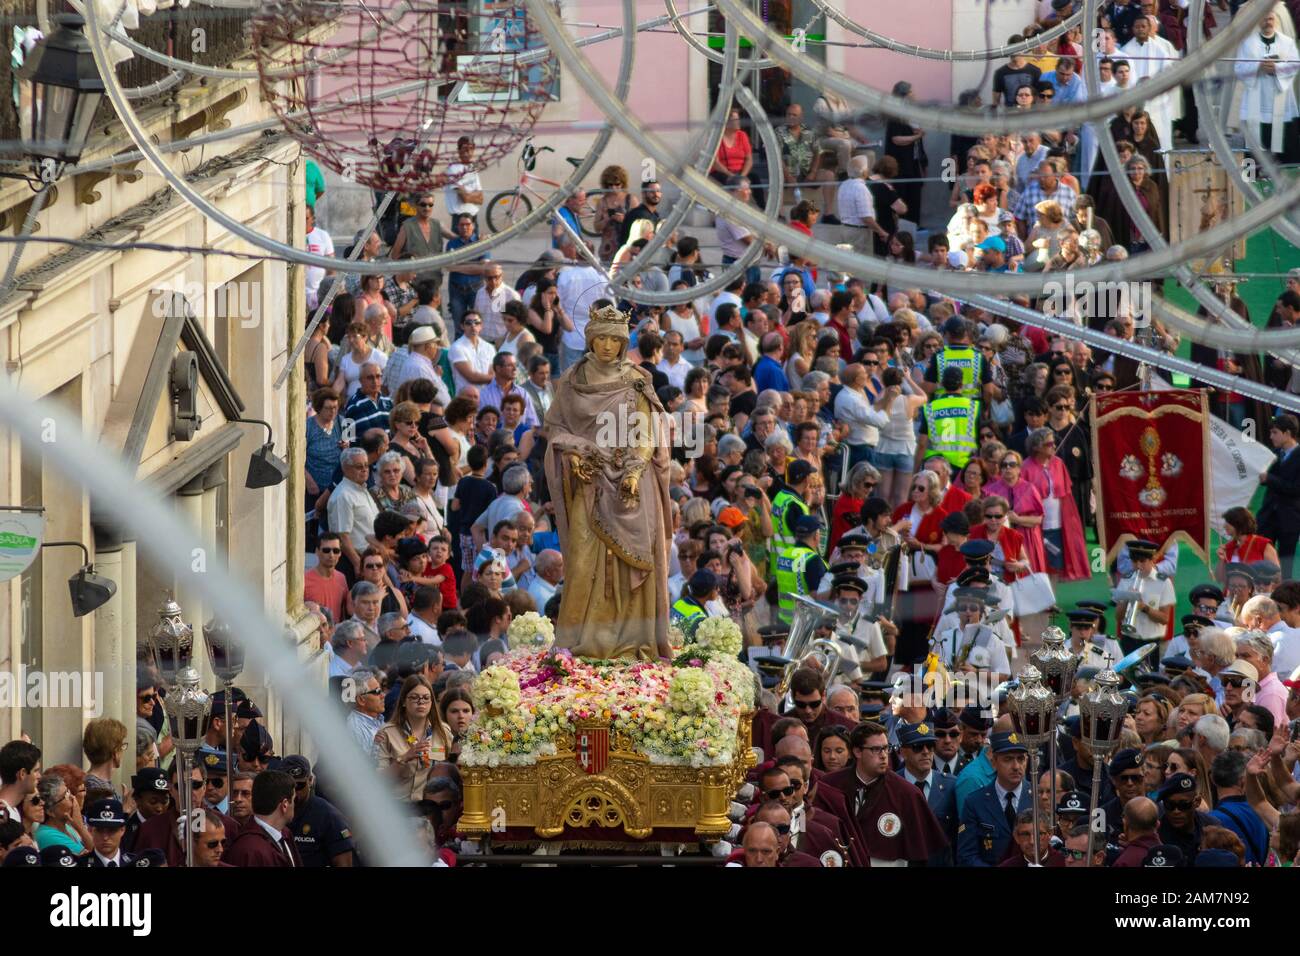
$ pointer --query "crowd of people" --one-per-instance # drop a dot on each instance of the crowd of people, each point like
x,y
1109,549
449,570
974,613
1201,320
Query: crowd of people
x,y
921,464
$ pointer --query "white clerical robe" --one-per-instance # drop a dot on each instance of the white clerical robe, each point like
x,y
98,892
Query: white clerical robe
x,y
1146,60
1266,97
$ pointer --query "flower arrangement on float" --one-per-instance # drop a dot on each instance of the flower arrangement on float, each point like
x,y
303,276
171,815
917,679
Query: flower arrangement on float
x,y
680,713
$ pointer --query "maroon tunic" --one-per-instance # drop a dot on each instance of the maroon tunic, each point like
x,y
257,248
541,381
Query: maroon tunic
x,y
254,847
796,859
895,822
1136,852
159,833
764,719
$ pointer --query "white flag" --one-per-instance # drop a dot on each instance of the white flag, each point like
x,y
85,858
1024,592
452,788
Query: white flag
x,y
1235,464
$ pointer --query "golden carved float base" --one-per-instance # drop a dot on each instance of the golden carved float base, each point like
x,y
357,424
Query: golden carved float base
x,y
557,796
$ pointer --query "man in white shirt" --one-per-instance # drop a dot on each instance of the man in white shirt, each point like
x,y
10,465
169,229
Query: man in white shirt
x,y
471,356
550,573
464,192
729,295
367,709
491,301
579,284
319,242
856,209
1148,56
349,646
1284,632
853,406
352,510
426,605
422,362
1267,63
672,364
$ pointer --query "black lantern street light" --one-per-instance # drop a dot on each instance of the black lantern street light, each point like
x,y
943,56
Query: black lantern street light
x,y
66,90
1057,665
1101,718
171,642
1033,714
227,662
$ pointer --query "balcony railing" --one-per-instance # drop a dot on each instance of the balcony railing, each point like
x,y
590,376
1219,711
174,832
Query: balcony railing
x,y
197,34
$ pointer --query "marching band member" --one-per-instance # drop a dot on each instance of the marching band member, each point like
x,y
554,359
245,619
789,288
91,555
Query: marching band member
x,y
1239,587
978,578
847,592
1155,597
1086,641
972,645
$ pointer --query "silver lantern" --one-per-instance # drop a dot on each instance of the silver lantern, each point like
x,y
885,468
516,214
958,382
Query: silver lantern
x,y
171,642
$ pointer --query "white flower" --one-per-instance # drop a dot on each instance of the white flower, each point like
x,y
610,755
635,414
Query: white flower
x,y
531,630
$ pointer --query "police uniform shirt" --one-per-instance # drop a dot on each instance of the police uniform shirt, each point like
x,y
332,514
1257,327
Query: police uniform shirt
x,y
952,766
320,833
1158,593
116,861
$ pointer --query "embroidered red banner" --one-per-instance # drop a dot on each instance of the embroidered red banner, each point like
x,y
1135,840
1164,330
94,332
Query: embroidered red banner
x,y
1151,453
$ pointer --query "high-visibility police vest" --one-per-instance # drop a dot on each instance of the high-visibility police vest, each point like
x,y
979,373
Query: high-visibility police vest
x,y
685,612
787,507
971,363
952,424
792,578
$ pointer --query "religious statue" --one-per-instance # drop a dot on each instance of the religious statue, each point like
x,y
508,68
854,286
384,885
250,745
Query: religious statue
x,y
607,467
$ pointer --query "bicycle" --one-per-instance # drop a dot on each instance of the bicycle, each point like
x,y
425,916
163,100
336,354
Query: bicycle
x,y
507,208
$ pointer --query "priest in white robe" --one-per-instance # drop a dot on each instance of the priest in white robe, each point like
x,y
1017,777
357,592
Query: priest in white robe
x,y
1148,56
1266,67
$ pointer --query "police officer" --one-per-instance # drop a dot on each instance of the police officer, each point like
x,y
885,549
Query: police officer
x,y
790,504
1071,808
916,744
800,568
971,644
688,610
1085,641
988,818
947,744
958,353
952,422
216,792
319,831
107,823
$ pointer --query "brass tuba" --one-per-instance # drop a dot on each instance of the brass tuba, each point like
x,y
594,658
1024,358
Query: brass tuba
x,y
800,644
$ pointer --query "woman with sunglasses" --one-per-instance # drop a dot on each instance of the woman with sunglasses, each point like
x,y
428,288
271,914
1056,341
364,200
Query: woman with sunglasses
x,y
1190,761
1061,526
918,521
413,740
860,485
32,812
1024,509
1073,441
1010,560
